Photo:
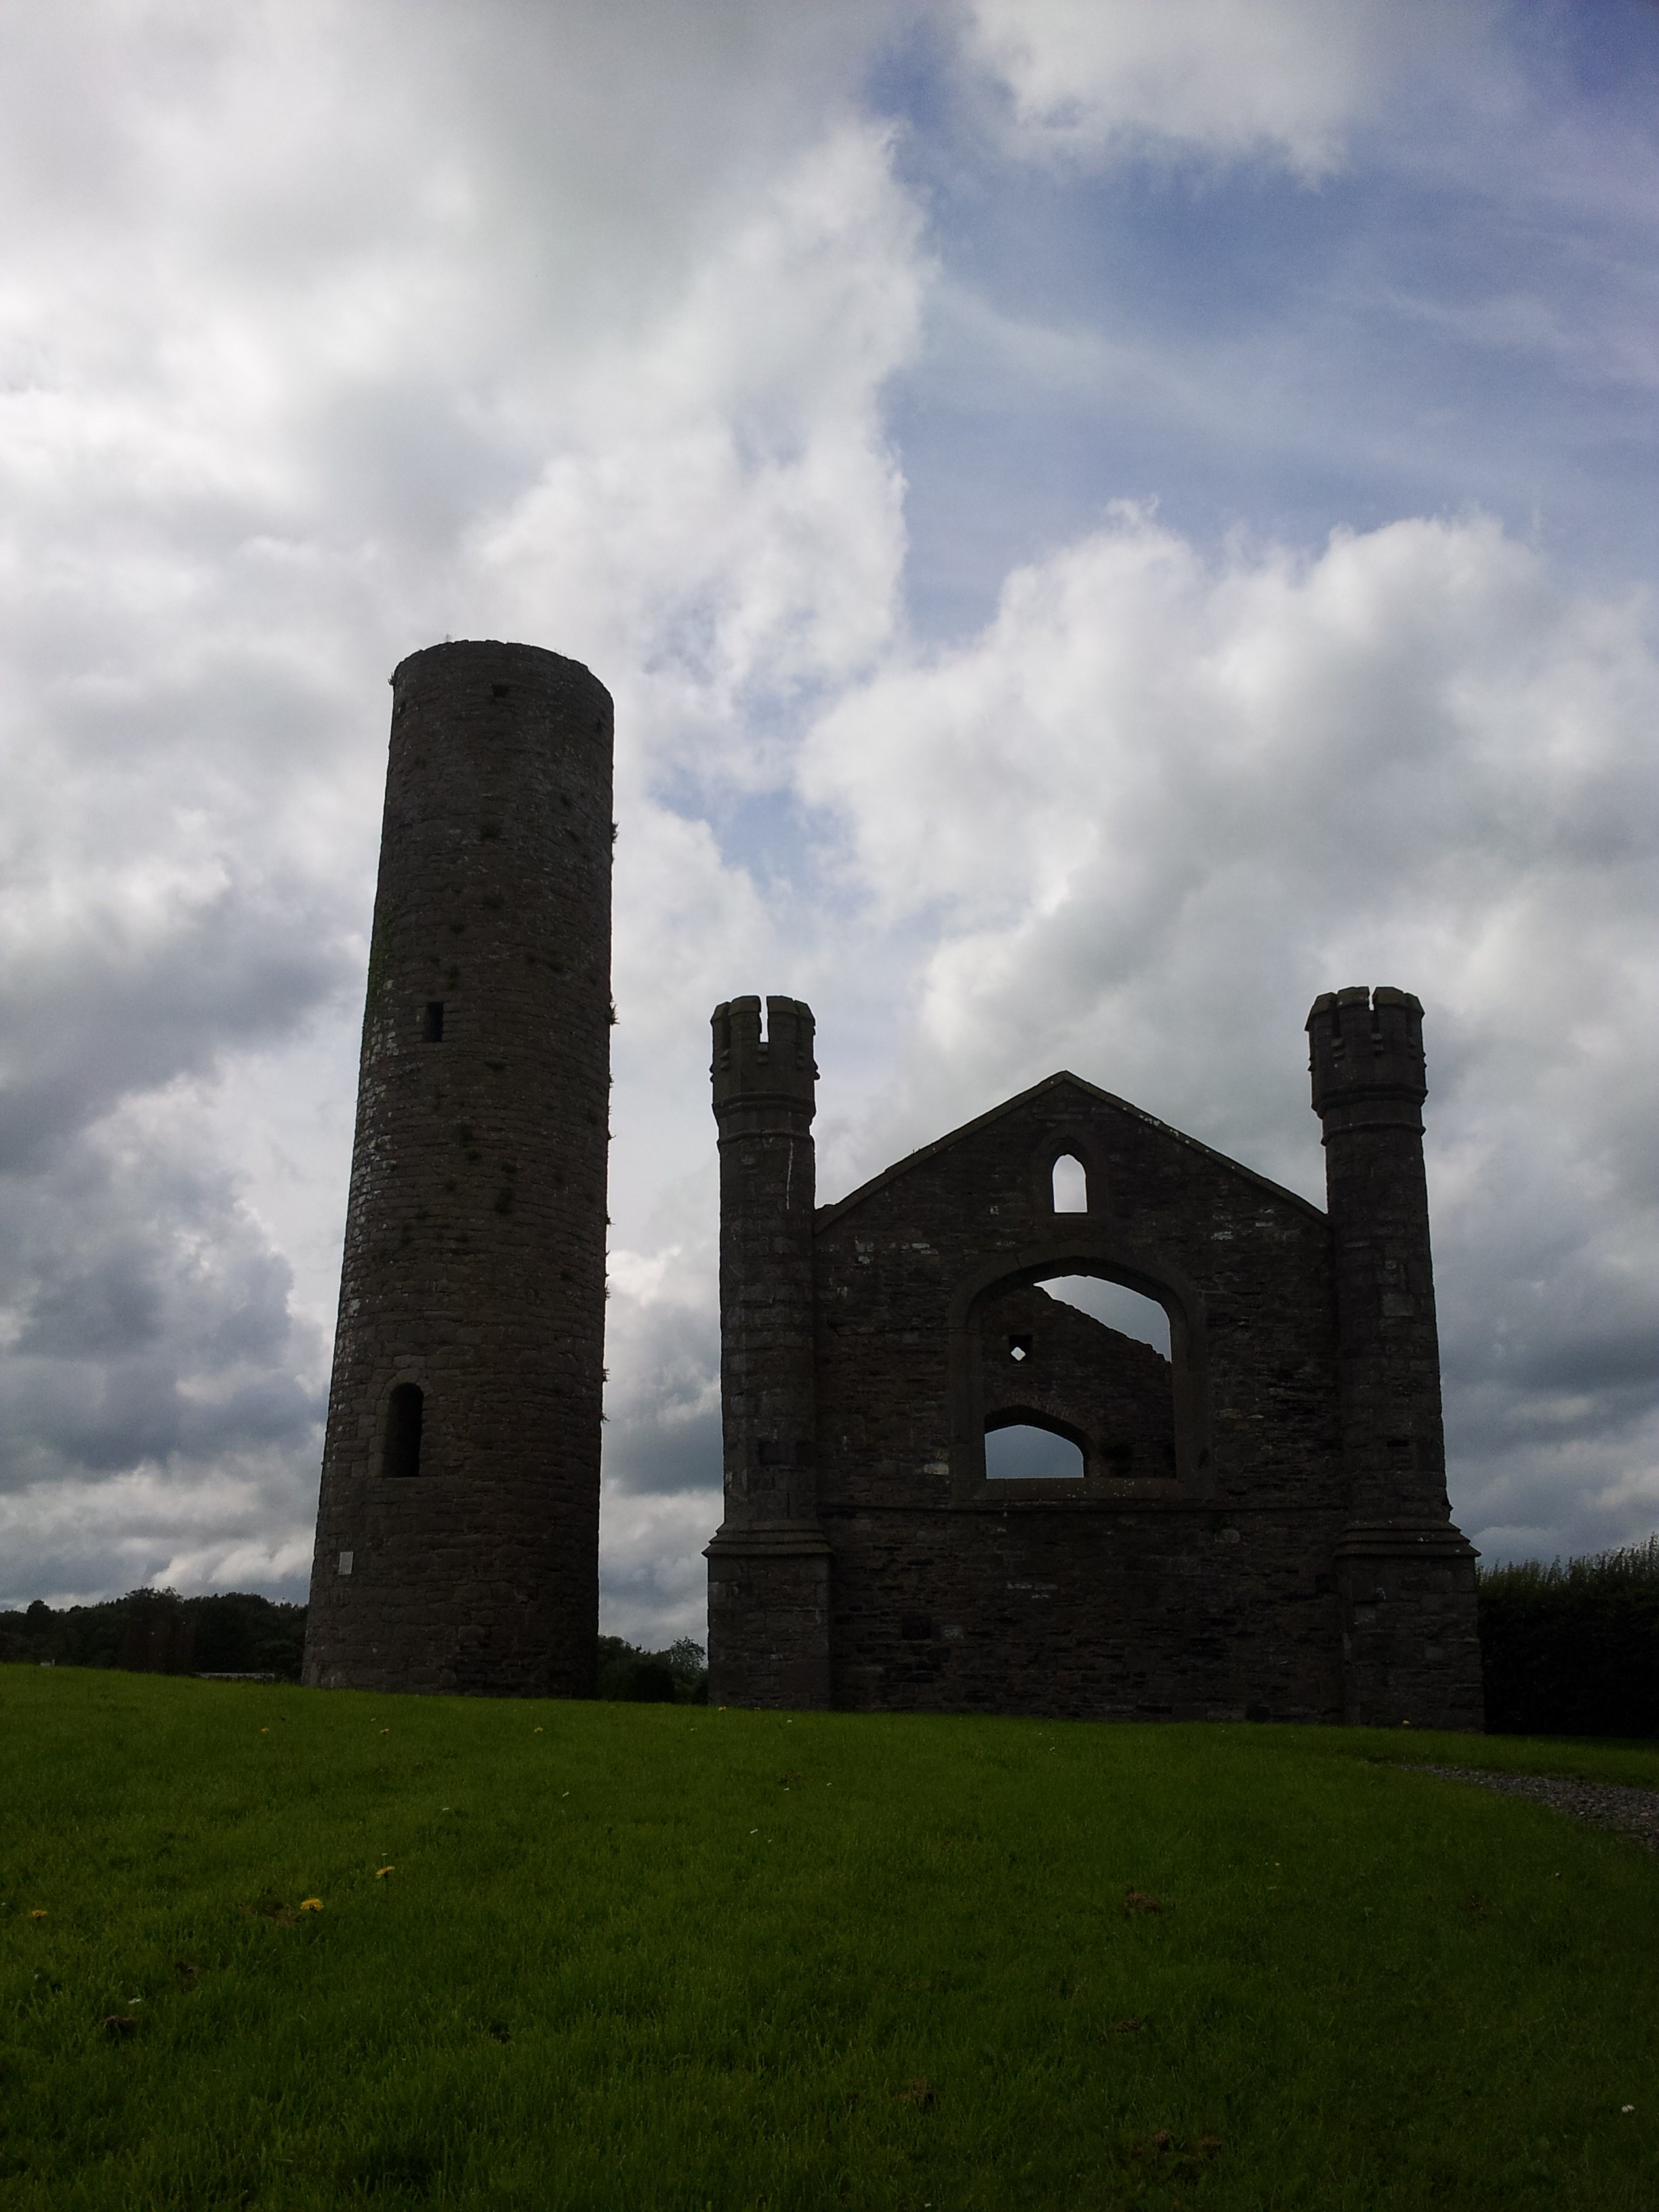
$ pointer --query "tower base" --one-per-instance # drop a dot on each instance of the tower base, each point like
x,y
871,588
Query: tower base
x,y
768,1618
1411,1645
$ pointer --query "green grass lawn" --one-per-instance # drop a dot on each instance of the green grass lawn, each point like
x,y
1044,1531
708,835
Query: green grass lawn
x,y
666,1957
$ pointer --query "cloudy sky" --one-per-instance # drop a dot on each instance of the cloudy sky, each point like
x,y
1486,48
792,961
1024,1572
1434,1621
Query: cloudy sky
x,y
1103,519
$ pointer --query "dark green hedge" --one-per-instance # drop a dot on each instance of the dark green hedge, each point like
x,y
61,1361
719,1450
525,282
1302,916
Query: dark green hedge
x,y
1572,1649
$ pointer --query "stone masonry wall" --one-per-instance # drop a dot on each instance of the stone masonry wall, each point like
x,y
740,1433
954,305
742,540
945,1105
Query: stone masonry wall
x,y
1209,1594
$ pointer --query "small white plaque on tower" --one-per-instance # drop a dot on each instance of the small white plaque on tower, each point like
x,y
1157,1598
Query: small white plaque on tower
x,y
345,1562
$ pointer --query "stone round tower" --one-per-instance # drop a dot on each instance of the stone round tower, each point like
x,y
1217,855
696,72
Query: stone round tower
x,y
458,1527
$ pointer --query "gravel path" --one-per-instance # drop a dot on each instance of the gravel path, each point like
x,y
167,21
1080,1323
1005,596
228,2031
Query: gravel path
x,y
1608,1804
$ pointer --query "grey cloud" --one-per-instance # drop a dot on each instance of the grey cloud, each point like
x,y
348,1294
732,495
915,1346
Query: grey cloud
x,y
663,1424
1156,807
342,332
149,1318
301,311
88,1031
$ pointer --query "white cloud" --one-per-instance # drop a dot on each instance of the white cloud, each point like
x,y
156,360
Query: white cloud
x,y
720,510
327,333
1286,79
1158,805
326,336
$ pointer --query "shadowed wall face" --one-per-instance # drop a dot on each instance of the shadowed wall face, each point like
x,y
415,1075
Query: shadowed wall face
x,y
1254,1528
768,1563
458,1528
1406,1574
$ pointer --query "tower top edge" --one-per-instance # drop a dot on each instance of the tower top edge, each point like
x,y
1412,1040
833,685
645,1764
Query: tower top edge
x,y
1366,1044
500,657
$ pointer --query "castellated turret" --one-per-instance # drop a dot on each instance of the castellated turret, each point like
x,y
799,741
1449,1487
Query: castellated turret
x,y
458,1527
768,1566
1406,1574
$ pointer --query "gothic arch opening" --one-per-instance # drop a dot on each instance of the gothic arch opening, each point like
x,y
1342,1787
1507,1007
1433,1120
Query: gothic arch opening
x,y
1025,1446
1068,1183
1065,1349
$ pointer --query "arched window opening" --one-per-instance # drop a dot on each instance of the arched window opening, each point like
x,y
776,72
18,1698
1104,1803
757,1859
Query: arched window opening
x,y
1020,1451
402,1453
1075,1382
1070,1185
1117,1305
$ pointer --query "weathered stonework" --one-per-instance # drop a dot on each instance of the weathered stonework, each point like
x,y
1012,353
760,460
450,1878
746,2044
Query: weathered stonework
x,y
457,1526
1261,1528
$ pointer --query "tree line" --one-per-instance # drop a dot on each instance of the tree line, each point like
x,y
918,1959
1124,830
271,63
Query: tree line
x,y
1570,1648
238,1632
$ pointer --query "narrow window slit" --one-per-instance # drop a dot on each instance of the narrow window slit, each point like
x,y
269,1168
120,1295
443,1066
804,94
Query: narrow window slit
x,y
401,1453
433,1028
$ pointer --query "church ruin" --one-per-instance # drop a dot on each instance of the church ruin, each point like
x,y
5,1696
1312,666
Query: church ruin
x,y
1256,1527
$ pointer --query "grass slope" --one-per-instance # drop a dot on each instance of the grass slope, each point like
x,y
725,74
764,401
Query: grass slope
x,y
666,1957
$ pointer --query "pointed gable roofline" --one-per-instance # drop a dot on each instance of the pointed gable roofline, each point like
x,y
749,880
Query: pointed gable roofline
x,y
826,1214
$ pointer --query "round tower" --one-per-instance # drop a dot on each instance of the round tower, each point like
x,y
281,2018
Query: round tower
x,y
457,1526
768,1567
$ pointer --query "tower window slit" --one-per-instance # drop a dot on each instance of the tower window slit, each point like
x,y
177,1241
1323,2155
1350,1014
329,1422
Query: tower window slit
x,y
401,1453
432,1029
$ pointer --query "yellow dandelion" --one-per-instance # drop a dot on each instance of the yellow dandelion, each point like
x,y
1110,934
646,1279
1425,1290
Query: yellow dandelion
x,y
535,1731
311,1905
265,1731
39,1913
383,1872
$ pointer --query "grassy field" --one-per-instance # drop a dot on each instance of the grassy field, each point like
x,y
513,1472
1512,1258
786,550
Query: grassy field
x,y
671,1958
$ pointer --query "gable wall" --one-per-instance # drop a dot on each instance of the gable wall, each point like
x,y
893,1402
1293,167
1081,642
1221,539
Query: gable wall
x,y
1208,1596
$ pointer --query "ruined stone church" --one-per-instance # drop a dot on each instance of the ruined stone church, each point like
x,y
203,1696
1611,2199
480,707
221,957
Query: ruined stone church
x,y
1256,1527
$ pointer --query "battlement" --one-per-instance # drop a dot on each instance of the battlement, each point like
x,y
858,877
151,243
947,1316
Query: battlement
x,y
779,1066
1366,1045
